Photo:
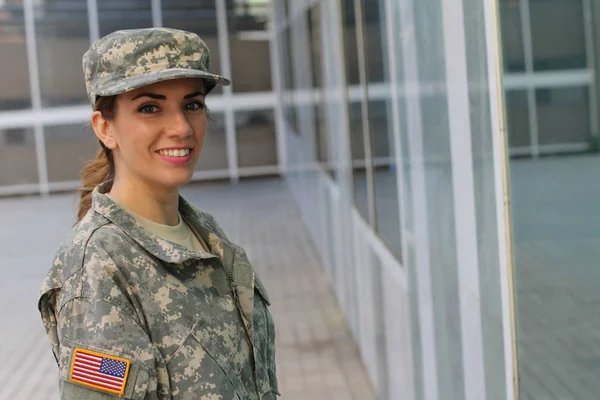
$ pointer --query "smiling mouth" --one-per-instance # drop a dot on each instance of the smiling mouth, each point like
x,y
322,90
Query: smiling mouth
x,y
175,153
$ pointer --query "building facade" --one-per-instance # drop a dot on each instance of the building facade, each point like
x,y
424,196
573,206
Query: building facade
x,y
396,123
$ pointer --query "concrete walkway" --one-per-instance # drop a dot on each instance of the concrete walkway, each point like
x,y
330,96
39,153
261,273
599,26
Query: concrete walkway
x,y
317,358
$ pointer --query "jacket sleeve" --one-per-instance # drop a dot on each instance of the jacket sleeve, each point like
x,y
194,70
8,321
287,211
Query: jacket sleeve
x,y
97,328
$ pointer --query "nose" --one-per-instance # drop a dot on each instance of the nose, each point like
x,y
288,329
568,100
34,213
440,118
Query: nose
x,y
178,125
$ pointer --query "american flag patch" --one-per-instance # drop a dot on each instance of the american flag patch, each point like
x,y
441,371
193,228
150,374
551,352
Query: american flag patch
x,y
99,371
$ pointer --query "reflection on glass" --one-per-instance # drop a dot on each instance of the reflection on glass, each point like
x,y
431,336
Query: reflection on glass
x,y
256,139
518,119
18,163
512,36
200,18
62,37
557,33
214,150
556,224
556,231
68,148
563,115
249,40
124,14
14,76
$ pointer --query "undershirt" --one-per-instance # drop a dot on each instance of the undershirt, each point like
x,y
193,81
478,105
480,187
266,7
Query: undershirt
x,y
180,234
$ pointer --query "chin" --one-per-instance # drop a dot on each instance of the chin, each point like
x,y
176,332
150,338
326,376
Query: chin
x,y
176,180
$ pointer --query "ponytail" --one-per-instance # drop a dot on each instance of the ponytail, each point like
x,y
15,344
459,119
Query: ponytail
x,y
101,168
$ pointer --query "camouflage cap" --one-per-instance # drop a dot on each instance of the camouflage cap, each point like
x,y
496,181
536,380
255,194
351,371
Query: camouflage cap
x,y
128,59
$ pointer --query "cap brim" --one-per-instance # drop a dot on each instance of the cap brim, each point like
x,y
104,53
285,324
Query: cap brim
x,y
128,84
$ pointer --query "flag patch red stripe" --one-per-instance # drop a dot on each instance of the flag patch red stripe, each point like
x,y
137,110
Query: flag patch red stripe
x,y
79,371
90,358
88,364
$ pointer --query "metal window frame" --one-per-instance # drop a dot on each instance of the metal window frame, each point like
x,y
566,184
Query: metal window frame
x,y
93,20
422,265
463,184
497,90
157,19
224,53
36,95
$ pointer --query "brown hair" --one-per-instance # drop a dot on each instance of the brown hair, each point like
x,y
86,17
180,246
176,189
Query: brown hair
x,y
101,168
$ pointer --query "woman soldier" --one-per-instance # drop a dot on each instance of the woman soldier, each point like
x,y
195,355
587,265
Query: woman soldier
x,y
147,298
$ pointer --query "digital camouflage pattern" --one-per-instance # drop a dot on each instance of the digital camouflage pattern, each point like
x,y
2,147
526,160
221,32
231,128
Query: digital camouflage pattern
x,y
195,325
128,59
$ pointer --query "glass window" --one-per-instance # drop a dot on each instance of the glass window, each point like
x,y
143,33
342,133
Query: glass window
x,y
18,161
512,36
114,15
387,206
557,32
350,45
518,119
357,153
14,69
563,115
256,138
248,24
385,175
62,36
68,149
214,150
439,205
302,75
284,8
484,194
374,32
324,150
357,144
200,18
288,79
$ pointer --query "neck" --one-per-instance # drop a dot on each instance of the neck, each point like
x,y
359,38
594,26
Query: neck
x,y
158,205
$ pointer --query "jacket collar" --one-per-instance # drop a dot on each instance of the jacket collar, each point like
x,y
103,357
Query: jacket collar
x,y
160,248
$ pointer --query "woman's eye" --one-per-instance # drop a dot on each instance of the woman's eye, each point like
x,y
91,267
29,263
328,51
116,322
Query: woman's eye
x,y
148,109
194,106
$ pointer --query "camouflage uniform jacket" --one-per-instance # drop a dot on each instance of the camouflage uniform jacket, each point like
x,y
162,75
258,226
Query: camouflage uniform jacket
x,y
192,325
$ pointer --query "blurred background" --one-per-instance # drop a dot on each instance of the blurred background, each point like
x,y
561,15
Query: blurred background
x,y
417,181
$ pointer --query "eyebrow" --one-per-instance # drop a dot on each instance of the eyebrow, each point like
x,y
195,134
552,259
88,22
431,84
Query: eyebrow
x,y
163,97
189,96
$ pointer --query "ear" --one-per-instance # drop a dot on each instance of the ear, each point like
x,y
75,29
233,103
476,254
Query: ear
x,y
104,130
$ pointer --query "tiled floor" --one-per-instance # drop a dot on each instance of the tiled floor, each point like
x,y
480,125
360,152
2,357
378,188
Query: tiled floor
x,y
317,358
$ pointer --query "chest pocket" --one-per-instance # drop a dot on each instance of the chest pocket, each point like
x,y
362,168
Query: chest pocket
x,y
264,339
212,362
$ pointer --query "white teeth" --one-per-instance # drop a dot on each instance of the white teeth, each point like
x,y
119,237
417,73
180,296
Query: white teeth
x,y
175,153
